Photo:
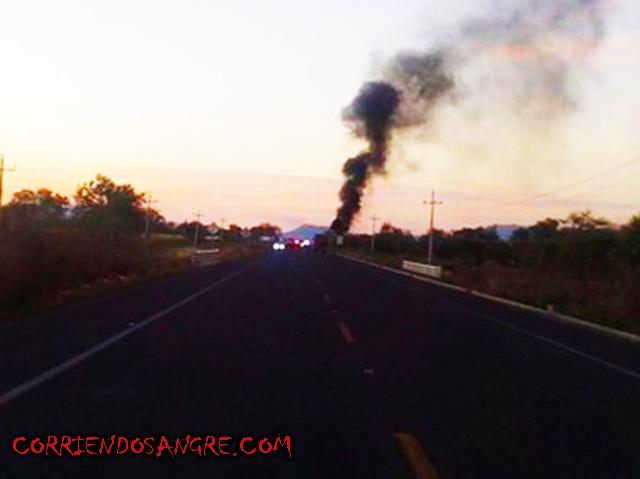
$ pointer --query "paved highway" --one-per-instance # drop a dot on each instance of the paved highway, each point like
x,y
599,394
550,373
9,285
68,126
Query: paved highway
x,y
371,374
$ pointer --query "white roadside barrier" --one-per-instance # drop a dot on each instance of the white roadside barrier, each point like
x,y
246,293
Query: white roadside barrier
x,y
205,257
421,268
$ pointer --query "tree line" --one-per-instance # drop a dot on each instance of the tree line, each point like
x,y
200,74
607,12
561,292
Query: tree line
x,y
50,243
581,244
101,206
582,264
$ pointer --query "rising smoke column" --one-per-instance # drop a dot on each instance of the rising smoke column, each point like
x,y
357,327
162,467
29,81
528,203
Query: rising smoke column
x,y
528,53
415,84
371,115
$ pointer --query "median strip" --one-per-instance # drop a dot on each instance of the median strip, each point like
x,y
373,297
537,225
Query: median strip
x,y
346,333
415,455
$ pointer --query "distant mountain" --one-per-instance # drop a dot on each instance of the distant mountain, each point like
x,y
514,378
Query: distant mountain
x,y
504,232
305,231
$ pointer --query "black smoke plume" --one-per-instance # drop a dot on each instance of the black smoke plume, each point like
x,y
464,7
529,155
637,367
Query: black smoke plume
x,y
371,115
522,56
415,84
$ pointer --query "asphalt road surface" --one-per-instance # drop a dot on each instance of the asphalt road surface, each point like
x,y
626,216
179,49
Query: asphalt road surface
x,y
372,374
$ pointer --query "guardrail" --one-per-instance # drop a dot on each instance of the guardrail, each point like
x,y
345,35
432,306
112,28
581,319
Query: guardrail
x,y
205,257
421,268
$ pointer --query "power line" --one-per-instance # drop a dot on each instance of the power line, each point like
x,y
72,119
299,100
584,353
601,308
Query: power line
x,y
607,186
624,164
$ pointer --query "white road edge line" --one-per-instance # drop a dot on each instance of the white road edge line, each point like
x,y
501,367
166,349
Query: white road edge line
x,y
558,316
26,386
515,304
561,346
556,344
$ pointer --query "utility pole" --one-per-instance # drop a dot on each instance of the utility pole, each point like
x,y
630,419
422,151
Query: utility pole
x,y
374,218
147,220
2,170
433,204
195,237
221,233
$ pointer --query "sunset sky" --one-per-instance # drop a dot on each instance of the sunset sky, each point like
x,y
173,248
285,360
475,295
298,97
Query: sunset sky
x,y
234,109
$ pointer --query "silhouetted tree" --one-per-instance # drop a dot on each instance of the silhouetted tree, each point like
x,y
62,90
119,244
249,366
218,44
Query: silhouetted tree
x,y
107,207
234,233
265,229
44,201
476,234
544,229
188,229
584,221
37,207
392,239
631,240
388,228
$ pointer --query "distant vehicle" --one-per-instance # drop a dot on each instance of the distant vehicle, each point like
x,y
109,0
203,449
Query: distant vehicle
x,y
320,242
296,243
291,243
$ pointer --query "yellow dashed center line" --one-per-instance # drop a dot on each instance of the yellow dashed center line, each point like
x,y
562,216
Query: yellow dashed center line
x,y
413,452
346,333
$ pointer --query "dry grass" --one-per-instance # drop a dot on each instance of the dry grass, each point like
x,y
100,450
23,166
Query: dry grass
x,y
612,302
51,266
